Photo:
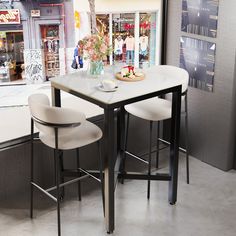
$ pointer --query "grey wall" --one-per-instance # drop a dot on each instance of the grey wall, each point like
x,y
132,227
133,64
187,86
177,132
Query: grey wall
x,y
234,99
211,115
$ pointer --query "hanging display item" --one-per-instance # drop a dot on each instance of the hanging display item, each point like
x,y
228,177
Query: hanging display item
x,y
200,17
198,58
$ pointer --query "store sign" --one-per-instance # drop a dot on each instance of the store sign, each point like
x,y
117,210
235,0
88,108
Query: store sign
x,y
35,13
9,16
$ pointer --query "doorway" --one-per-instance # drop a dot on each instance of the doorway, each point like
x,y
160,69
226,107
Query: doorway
x,y
50,43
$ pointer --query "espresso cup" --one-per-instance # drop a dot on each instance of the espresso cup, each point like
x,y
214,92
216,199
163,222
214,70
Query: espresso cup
x,y
108,84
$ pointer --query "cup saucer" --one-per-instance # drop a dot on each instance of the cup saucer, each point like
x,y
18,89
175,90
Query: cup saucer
x,y
101,88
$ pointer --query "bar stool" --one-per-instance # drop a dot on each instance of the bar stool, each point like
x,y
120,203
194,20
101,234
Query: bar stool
x,y
61,129
156,110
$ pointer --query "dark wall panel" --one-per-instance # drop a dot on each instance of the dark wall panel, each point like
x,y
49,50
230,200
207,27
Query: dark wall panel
x,y
211,115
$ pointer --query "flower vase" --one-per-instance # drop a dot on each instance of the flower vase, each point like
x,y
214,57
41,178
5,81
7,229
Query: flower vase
x,y
96,68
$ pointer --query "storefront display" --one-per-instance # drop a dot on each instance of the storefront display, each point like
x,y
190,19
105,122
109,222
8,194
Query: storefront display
x,y
118,48
125,38
122,26
50,44
11,56
129,46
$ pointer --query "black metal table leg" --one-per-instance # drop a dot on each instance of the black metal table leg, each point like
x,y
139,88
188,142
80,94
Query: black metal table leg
x,y
122,140
174,146
56,97
32,170
109,157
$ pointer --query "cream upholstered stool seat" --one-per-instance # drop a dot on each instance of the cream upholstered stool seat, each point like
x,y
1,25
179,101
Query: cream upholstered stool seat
x,y
154,109
80,136
61,129
158,109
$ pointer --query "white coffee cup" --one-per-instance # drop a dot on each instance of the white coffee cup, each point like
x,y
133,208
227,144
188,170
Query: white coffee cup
x,y
108,84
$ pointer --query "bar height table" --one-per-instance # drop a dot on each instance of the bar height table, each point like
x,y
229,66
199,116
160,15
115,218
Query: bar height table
x,y
155,83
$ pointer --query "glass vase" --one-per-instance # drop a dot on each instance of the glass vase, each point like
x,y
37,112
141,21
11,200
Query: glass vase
x,y
96,68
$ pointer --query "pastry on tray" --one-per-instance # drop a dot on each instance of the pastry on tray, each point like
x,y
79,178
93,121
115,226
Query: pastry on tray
x,y
130,73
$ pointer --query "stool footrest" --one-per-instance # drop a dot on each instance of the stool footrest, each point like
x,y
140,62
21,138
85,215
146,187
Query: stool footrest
x,y
68,182
46,191
166,142
136,157
87,173
140,176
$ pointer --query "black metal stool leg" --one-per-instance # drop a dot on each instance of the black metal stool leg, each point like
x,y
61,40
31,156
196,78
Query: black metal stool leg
x,y
158,135
125,147
149,160
61,163
79,174
57,167
186,138
101,176
55,163
32,170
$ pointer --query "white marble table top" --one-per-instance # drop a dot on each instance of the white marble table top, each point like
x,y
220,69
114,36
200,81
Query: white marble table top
x,y
83,84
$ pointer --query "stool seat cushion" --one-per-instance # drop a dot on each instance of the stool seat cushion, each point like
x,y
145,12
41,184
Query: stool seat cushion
x,y
153,109
79,136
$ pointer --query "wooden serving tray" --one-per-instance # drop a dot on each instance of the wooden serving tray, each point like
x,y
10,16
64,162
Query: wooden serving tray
x,y
120,77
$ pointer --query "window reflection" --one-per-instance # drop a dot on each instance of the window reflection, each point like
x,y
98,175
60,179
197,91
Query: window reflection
x,y
147,39
102,21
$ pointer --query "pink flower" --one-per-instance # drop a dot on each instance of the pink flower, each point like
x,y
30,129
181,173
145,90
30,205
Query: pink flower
x,y
106,38
103,48
94,57
91,51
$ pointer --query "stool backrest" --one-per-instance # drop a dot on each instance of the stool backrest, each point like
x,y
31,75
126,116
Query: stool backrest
x,y
41,110
176,72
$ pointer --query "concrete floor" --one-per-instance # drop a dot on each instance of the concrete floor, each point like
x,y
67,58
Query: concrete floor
x,y
206,207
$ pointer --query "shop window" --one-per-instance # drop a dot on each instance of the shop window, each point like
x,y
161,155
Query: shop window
x,y
102,21
123,37
147,39
11,56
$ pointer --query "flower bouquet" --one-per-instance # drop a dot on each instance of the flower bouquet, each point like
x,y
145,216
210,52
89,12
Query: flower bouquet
x,y
95,48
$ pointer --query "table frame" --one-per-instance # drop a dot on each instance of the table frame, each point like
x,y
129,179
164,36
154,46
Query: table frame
x,y
110,154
